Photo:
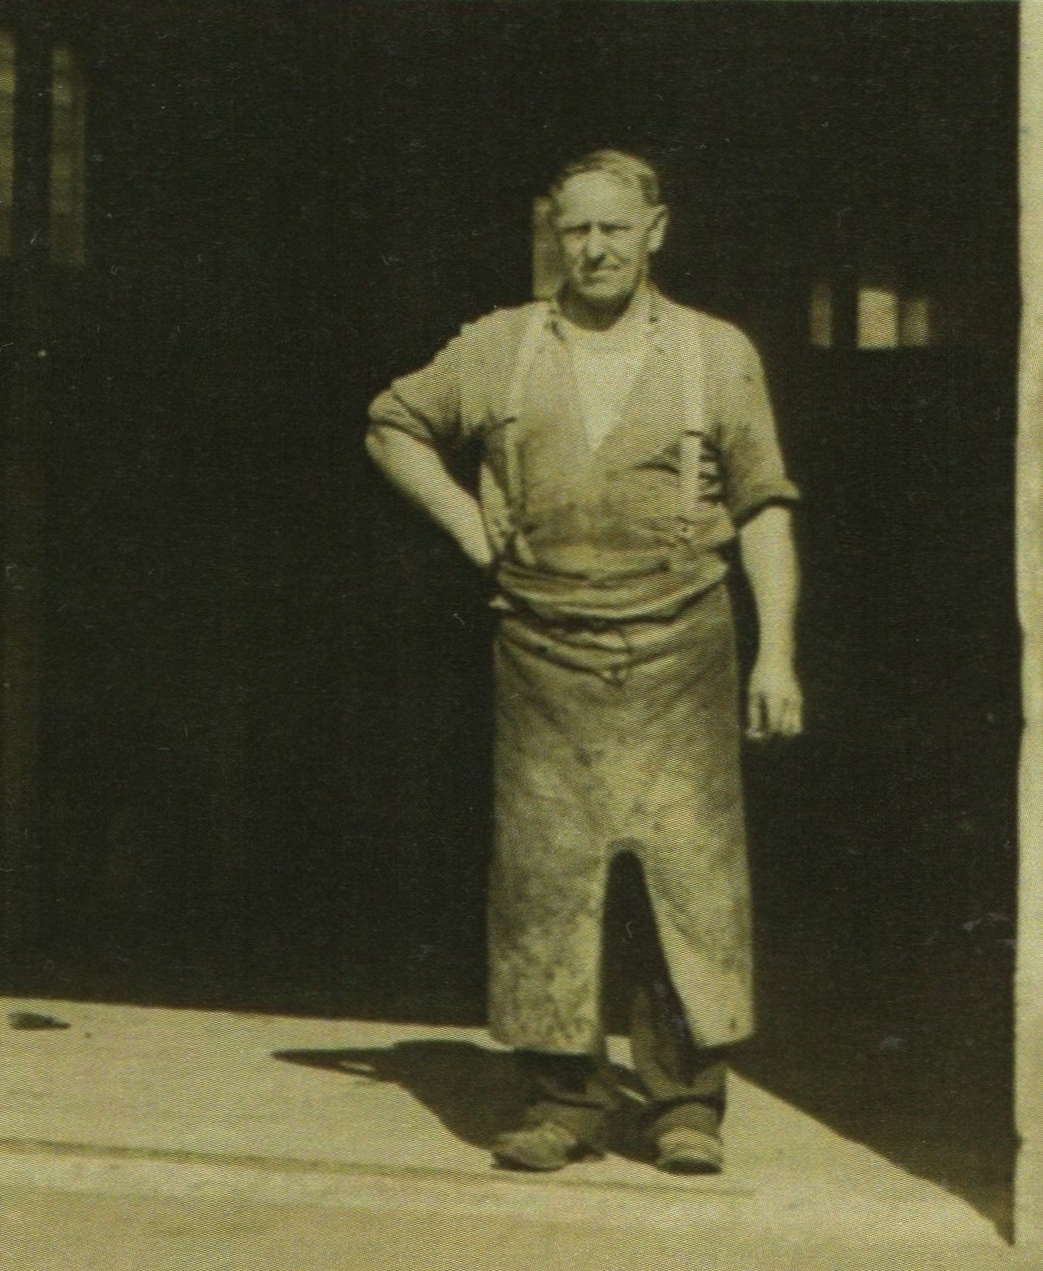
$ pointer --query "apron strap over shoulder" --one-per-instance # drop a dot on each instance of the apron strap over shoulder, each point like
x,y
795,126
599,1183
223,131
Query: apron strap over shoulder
x,y
514,399
693,439
498,501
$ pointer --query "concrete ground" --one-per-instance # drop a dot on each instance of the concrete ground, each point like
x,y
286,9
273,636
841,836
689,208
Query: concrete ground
x,y
154,1139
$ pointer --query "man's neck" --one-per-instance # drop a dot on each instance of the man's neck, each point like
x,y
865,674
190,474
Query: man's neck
x,y
591,318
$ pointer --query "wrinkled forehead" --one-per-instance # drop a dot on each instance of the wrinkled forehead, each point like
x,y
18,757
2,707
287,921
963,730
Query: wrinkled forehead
x,y
600,196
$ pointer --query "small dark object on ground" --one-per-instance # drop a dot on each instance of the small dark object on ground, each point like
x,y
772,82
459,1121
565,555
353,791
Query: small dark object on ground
x,y
30,1020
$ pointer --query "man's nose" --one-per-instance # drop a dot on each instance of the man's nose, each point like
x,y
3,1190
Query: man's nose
x,y
596,245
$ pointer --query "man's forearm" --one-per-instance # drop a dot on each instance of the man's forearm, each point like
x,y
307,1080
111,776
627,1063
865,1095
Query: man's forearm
x,y
769,560
418,472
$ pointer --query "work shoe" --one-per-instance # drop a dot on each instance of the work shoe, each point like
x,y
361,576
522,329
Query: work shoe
x,y
685,1150
545,1147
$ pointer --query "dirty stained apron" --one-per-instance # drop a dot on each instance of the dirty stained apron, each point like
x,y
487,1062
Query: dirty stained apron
x,y
621,739
617,736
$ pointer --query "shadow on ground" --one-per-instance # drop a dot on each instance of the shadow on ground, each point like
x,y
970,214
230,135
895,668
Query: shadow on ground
x,y
474,1091
917,1071
896,1109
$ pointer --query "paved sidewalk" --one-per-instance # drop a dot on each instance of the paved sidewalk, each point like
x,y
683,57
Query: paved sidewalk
x,y
154,1139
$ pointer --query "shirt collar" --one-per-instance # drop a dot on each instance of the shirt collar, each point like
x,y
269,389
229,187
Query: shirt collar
x,y
653,318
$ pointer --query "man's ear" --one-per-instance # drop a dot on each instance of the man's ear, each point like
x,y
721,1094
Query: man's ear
x,y
657,229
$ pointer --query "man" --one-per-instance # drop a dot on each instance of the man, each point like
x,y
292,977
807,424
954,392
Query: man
x,y
625,442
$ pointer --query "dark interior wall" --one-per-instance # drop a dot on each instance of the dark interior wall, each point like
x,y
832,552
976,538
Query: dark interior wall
x,y
267,695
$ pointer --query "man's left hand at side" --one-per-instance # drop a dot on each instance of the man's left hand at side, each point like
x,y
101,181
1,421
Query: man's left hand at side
x,y
775,704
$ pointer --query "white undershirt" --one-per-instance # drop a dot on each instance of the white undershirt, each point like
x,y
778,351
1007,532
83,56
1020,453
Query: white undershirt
x,y
605,364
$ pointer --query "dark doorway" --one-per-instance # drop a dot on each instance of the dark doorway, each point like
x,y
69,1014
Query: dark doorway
x,y
265,699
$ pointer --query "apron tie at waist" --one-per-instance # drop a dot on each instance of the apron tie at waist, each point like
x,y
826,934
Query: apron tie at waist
x,y
611,650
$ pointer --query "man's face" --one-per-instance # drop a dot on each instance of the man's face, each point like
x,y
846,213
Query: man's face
x,y
607,233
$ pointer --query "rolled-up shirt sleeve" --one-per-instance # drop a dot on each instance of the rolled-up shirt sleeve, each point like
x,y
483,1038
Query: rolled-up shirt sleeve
x,y
427,403
753,467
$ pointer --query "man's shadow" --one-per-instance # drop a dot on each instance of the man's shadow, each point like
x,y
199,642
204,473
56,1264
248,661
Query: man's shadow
x,y
474,1091
477,1092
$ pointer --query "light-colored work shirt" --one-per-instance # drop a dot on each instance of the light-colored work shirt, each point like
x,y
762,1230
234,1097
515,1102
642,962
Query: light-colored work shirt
x,y
592,476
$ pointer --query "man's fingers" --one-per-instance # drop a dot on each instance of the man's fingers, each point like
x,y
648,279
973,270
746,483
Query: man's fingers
x,y
770,716
791,722
790,717
756,713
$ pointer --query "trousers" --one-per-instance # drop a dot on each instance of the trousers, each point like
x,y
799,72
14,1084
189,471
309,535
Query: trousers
x,y
682,1083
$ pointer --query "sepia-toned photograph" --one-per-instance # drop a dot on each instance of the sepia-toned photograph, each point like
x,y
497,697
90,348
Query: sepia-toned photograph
x,y
521,635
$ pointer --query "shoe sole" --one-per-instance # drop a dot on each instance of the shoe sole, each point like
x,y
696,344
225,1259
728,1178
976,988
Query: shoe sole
x,y
704,1156
688,1163
541,1165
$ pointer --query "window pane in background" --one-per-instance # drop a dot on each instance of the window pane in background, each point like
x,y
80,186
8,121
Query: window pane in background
x,y
821,316
7,82
68,139
887,319
877,318
916,332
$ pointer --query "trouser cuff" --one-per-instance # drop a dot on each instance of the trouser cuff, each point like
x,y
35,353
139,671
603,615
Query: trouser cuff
x,y
692,1114
576,1092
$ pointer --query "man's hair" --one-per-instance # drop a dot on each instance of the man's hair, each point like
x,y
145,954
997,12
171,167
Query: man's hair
x,y
627,168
